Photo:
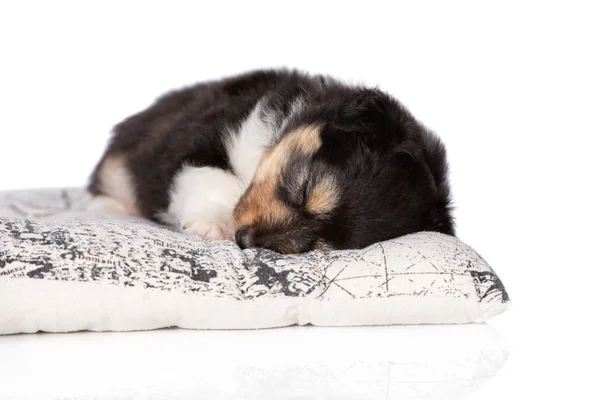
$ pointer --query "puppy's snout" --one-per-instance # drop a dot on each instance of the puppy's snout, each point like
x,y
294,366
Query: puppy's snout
x,y
242,238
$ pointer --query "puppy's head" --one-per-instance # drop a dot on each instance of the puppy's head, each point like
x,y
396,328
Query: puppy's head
x,y
289,198
360,172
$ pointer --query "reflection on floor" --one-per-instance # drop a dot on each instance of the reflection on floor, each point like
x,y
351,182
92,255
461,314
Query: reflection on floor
x,y
426,362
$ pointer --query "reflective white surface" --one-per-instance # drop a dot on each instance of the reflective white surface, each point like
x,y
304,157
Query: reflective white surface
x,y
521,354
439,362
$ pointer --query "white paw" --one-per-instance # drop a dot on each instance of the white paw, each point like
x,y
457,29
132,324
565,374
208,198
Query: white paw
x,y
209,230
202,200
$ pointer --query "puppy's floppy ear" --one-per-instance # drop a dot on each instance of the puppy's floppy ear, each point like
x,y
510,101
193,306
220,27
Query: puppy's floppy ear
x,y
368,107
371,113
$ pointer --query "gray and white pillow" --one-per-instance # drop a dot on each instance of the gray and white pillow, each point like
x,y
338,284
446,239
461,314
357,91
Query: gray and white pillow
x,y
63,269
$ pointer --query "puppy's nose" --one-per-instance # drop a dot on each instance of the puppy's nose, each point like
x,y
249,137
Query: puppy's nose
x,y
242,238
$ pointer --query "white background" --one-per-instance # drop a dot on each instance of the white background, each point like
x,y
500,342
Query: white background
x,y
512,88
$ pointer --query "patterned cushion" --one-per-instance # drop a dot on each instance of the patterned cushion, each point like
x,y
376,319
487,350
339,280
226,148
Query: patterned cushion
x,y
63,269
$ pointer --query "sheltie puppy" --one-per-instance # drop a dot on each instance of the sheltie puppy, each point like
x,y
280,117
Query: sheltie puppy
x,y
278,159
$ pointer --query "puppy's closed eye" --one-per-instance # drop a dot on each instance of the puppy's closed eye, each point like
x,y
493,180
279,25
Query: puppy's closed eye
x,y
294,185
298,197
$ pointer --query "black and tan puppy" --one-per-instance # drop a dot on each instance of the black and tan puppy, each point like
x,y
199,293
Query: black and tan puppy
x,y
280,160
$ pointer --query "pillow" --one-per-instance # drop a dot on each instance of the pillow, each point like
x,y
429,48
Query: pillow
x,y
63,269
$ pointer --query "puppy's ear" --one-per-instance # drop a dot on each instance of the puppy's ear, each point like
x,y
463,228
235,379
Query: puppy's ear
x,y
369,108
371,115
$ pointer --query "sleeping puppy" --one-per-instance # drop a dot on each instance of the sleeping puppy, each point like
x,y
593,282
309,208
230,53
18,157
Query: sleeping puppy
x,y
278,159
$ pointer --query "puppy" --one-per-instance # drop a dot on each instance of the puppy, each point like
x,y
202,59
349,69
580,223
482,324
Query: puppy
x,y
278,159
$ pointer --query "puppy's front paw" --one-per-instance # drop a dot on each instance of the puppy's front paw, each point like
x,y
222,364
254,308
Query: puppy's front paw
x,y
209,230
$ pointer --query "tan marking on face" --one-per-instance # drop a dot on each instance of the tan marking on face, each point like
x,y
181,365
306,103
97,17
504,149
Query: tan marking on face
x,y
260,202
305,140
324,197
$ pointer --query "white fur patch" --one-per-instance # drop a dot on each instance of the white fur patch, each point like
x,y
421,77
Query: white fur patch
x,y
297,106
247,145
202,202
